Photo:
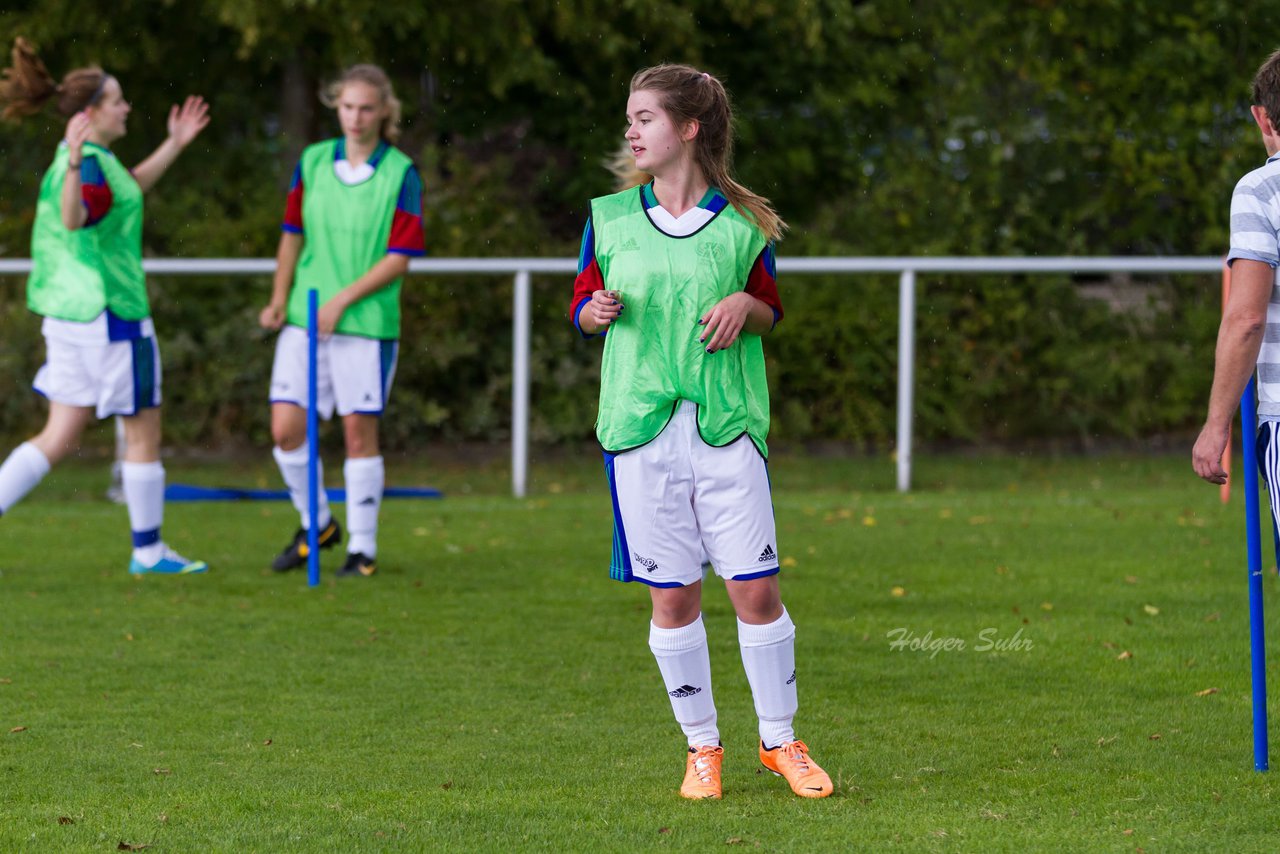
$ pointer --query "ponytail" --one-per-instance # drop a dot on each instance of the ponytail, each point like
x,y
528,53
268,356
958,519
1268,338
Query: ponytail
x,y
26,85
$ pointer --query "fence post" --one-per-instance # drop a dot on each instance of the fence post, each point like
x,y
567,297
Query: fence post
x,y
520,323
906,373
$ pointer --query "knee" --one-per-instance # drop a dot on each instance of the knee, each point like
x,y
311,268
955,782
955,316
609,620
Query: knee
x,y
285,439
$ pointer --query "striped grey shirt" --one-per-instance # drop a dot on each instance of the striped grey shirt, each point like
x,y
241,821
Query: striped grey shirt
x,y
1255,236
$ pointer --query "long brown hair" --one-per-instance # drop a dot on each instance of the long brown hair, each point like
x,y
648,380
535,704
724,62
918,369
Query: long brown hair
x,y
378,79
688,95
26,85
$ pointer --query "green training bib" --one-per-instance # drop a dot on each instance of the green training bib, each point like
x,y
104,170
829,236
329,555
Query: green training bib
x,y
652,357
76,274
346,232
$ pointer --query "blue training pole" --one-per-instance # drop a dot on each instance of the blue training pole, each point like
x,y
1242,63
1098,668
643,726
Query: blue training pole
x,y
1253,539
313,445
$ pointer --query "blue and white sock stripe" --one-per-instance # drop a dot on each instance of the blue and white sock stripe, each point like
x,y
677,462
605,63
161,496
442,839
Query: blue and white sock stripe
x,y
620,565
142,539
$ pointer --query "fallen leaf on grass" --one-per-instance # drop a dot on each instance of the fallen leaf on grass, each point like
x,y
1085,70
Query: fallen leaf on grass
x,y
1155,736
733,840
18,729
898,591
1128,832
1131,579
789,562
1206,692
132,846
161,771
128,636
1124,656
869,521
1151,609
1213,618
66,819
664,830
267,742
6,681
1046,606
448,784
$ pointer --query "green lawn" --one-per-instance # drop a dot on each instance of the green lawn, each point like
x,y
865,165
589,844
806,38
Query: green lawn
x,y
492,689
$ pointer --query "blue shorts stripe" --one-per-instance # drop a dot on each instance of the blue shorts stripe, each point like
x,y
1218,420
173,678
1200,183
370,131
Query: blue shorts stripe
x,y
144,374
1269,466
764,573
620,565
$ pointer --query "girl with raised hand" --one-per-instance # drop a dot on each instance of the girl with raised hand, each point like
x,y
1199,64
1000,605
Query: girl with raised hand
x,y
353,218
679,272
87,283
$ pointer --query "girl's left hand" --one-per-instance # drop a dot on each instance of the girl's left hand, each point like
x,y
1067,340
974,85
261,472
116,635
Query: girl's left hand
x,y
186,123
328,316
719,327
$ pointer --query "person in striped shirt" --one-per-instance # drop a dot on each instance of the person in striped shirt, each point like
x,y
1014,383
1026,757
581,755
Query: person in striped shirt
x,y
1249,336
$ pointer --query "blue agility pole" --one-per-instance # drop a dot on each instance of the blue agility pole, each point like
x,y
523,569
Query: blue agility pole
x,y
313,445
1253,539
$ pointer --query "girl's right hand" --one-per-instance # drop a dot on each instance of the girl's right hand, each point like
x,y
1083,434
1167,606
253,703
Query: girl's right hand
x,y
605,306
272,317
77,134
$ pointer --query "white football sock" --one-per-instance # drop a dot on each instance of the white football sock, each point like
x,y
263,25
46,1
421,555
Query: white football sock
x,y
365,477
685,664
293,468
769,657
144,496
25,467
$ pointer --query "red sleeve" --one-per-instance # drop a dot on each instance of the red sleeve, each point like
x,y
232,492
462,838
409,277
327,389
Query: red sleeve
x,y
95,192
293,203
762,282
590,279
407,235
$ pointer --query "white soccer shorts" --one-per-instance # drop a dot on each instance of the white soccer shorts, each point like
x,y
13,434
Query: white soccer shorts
x,y
353,373
116,378
677,501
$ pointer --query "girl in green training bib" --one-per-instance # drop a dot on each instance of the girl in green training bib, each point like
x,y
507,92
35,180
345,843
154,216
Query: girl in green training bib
x,y
87,283
352,220
678,270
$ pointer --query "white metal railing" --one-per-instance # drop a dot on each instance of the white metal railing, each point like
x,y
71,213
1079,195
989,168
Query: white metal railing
x,y
522,269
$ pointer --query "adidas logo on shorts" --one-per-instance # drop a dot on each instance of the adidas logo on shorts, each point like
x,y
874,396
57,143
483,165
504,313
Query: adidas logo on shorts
x,y
767,555
685,691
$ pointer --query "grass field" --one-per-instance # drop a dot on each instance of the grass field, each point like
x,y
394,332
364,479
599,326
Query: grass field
x,y
491,689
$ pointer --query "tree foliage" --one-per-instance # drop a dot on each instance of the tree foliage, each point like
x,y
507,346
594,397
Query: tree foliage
x,y
878,128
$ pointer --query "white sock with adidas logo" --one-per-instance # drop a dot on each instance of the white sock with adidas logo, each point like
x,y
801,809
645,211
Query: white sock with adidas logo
x,y
685,664
293,468
365,477
769,657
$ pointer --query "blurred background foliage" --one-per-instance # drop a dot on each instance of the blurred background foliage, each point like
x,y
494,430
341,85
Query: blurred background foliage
x,y
893,127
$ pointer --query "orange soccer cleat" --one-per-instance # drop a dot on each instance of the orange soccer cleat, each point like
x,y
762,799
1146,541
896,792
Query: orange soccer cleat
x,y
702,773
791,760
